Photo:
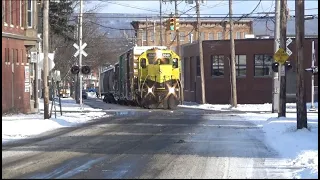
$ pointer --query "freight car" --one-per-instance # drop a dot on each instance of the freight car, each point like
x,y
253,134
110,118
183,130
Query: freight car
x,y
147,76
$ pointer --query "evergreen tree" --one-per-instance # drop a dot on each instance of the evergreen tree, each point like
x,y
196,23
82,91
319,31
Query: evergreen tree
x,y
59,18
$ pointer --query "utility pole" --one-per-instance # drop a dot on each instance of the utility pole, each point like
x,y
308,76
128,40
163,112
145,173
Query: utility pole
x,y
276,81
177,29
99,78
160,22
146,32
233,62
312,108
80,50
46,58
154,33
283,39
300,89
203,90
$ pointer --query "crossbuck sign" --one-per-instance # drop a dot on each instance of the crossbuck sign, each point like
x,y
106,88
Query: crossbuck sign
x,y
82,51
288,51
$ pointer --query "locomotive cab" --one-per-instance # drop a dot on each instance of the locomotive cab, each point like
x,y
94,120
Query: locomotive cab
x,y
159,73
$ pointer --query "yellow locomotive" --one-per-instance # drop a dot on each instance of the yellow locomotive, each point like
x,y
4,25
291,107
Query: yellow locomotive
x,y
147,76
159,78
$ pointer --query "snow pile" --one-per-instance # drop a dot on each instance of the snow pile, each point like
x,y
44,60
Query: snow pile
x,y
299,146
308,160
267,107
23,126
68,104
92,94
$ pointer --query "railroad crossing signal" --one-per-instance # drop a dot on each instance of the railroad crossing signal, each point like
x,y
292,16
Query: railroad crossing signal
x,y
78,50
281,56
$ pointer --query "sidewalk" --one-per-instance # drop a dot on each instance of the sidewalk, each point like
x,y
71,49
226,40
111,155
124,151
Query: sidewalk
x,y
22,126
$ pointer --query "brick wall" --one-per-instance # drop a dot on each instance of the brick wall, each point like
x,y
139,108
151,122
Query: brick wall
x,y
14,58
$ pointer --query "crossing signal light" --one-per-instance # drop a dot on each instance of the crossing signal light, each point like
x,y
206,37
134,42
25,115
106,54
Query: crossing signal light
x,y
288,65
75,70
275,66
85,70
171,24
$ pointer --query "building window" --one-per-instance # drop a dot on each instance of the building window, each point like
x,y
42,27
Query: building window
x,y
10,12
182,36
210,36
144,36
198,66
12,56
30,13
6,55
152,36
202,35
172,36
217,63
238,35
243,35
262,65
4,12
220,36
20,13
15,55
22,56
241,65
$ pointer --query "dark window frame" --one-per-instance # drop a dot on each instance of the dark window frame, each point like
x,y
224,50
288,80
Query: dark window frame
x,y
220,65
266,69
238,65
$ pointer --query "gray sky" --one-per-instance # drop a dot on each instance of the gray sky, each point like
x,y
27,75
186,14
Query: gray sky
x,y
210,7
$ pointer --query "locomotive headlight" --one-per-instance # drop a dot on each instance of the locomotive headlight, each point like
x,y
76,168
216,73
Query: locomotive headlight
x,y
171,90
149,90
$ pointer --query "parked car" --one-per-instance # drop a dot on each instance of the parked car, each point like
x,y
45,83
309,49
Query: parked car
x,y
84,94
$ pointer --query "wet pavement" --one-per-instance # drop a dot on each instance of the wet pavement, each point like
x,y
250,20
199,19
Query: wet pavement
x,y
142,143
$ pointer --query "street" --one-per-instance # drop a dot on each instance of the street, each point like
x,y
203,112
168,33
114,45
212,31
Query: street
x,y
142,143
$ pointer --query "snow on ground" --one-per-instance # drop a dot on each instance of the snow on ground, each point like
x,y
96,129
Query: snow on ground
x,y
300,147
23,126
291,107
68,104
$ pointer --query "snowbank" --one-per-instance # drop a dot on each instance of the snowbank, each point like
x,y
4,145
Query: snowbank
x,y
267,107
299,146
23,126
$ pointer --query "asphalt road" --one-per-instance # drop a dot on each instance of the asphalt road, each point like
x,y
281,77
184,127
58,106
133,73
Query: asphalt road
x,y
147,144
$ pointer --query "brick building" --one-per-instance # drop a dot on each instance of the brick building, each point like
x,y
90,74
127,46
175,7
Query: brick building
x,y
210,30
19,39
253,71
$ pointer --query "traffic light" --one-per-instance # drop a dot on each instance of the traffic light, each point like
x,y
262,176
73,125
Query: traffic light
x,y
288,65
176,24
275,66
313,70
171,24
75,70
85,70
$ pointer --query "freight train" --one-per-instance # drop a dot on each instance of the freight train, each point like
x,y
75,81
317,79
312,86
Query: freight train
x,y
145,76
